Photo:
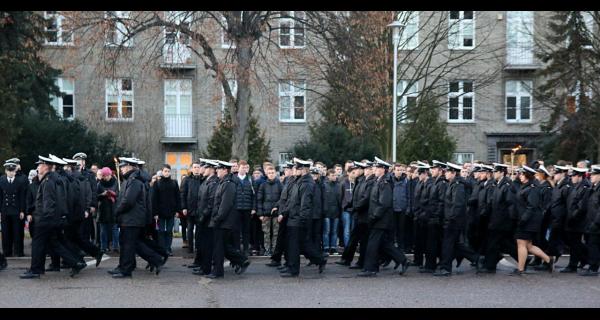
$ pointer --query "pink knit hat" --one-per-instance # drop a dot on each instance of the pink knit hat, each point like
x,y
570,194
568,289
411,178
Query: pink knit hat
x,y
106,171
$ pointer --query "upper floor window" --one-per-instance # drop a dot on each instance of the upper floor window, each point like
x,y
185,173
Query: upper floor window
x,y
407,93
119,99
117,32
409,38
57,31
518,101
233,86
292,99
460,101
291,29
226,40
65,103
581,94
462,157
461,34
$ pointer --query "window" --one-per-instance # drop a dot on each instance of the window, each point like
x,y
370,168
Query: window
x,y
117,33
460,101
461,34
519,37
407,99
180,163
574,100
292,94
518,101
284,156
226,41
119,99
291,31
462,157
233,87
409,39
178,108
588,19
57,32
65,104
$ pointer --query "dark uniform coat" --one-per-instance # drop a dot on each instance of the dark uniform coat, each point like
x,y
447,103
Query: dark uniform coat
x,y
224,213
381,212
300,202
360,198
529,207
132,201
577,206
558,206
503,206
455,205
592,223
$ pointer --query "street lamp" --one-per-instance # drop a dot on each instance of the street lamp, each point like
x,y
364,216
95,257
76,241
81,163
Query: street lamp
x,y
396,26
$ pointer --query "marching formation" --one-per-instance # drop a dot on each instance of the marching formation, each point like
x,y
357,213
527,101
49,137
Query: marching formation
x,y
440,211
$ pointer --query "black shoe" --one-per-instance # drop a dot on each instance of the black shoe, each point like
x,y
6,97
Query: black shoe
x,y
199,272
517,272
551,264
288,275
121,275
442,273
588,273
542,267
113,271
568,269
486,271
273,264
322,266
213,276
78,267
404,267
425,270
536,262
366,274
3,264
343,263
99,258
286,270
158,269
52,268
193,265
281,267
29,275
243,267
356,267
459,262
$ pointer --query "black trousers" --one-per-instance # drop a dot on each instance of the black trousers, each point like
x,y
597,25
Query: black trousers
x,y
433,245
593,248
13,235
556,241
399,218
316,233
577,248
205,248
73,236
479,241
131,243
281,242
472,228
499,242
191,235
381,242
360,234
299,242
257,237
420,227
224,248
244,229
49,239
453,246
184,224
87,230
409,233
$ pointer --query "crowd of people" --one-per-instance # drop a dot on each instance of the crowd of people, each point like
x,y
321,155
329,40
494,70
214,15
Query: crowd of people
x,y
440,212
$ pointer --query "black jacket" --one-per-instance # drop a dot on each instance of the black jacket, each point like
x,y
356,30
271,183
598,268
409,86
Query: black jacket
x,y
206,199
318,200
360,198
412,184
91,177
224,213
473,202
455,204
503,206
282,206
132,201
421,207
577,206
165,198
347,189
381,211
189,193
47,212
32,190
484,198
558,203
332,199
529,207
13,196
592,223
301,202
245,193
63,188
437,197
106,208
267,198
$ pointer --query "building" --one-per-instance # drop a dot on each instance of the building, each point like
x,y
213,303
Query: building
x,y
167,107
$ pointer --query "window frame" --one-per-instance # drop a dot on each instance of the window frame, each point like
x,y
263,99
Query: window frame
x,y
461,95
119,100
291,94
518,94
455,157
59,30
59,108
460,22
282,160
292,31
409,42
178,165
123,15
403,98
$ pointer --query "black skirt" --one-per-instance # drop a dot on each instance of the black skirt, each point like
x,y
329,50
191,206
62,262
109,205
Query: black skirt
x,y
525,235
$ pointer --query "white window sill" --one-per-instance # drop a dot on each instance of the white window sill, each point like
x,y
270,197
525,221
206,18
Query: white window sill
x,y
300,121
518,121
59,44
461,48
119,119
291,47
461,121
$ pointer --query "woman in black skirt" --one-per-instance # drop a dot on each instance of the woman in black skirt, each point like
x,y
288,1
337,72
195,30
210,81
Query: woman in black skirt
x,y
530,215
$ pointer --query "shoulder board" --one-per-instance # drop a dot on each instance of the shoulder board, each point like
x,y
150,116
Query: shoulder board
x,y
532,185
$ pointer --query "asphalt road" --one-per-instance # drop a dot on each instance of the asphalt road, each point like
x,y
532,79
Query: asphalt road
x,y
261,286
